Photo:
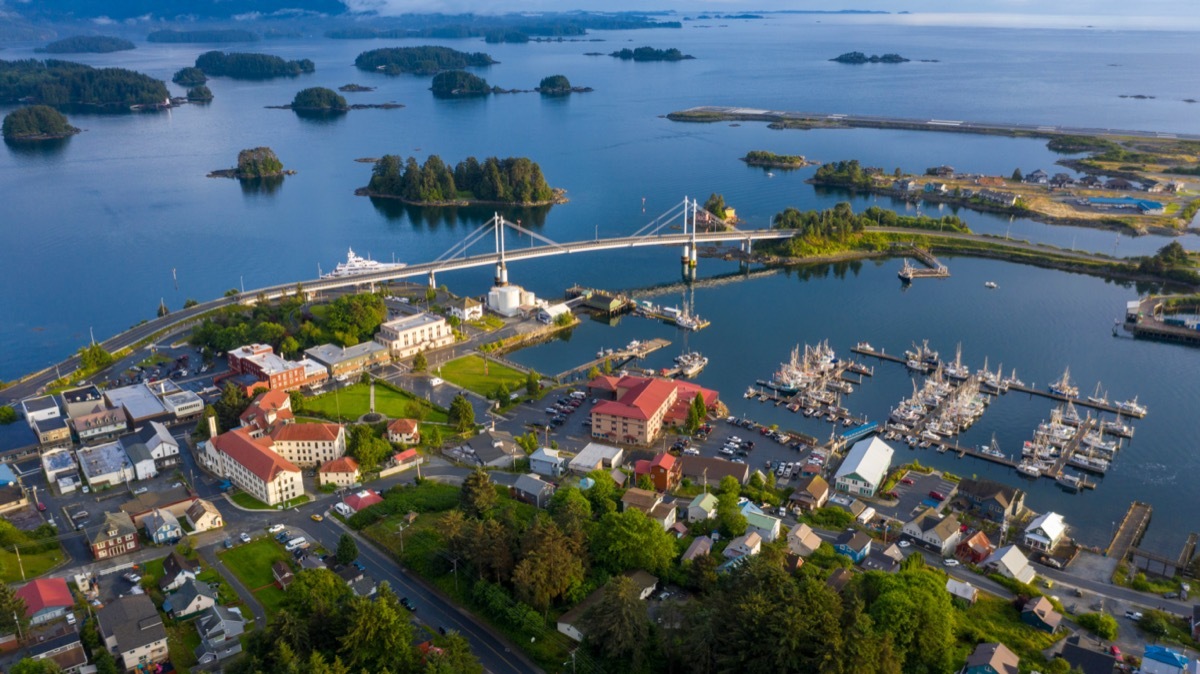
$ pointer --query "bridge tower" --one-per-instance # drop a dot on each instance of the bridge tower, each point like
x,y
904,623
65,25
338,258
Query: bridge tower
x,y
686,257
693,259
501,268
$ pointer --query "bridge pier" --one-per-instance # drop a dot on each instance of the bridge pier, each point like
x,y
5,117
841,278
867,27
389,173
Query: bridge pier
x,y
501,275
686,254
432,281
693,259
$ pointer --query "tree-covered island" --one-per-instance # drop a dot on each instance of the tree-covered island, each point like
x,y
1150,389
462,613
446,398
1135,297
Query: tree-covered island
x,y
859,58
210,35
36,122
63,83
458,84
245,66
558,85
199,94
319,99
772,160
189,77
87,44
259,162
419,60
516,181
651,54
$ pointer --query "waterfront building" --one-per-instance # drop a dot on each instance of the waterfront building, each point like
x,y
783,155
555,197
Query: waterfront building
x,y
466,309
52,432
40,409
864,468
639,407
1010,562
510,300
409,335
1045,532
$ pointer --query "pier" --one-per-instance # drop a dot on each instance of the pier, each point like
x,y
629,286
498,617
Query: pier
x,y
934,267
1147,319
1133,526
618,358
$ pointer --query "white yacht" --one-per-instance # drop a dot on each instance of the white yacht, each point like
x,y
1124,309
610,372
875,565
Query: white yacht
x,y
355,265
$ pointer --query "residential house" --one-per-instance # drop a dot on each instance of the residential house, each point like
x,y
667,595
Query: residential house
x,y
363,499
595,456
1162,660
132,630
1045,532
703,470
645,582
975,549
838,579
402,461
45,599
220,630
404,431
40,409
140,458
802,540
1062,180
862,512
1118,184
933,531
636,409
548,462
936,188
1091,182
162,527
254,466
811,493
570,623
1010,562
619,477
312,563
854,544
992,658
640,499
341,472
282,573
117,536
865,466
1000,198
175,499
990,499
1085,659
268,411
495,449
343,362
964,592
905,185
409,335
756,520
309,445
52,432
533,490
466,309
744,546
1037,177
177,570
703,507
163,446
701,546
1040,613
65,651
665,514
886,559
203,516
664,470
98,423
191,598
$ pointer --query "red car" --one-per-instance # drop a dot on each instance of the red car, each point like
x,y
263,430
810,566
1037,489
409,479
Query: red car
x,y
1115,650
937,496
907,480
41,507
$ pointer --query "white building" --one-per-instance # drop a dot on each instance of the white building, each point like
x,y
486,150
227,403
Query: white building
x,y
508,300
105,465
1045,532
466,309
594,456
550,312
40,409
410,335
547,462
1011,563
309,445
865,467
255,467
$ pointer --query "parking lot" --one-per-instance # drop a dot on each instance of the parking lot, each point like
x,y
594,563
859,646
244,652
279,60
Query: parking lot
x,y
915,497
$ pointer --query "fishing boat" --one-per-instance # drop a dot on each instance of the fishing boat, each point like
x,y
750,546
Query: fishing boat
x,y
691,363
1089,463
991,285
1029,468
1069,482
1012,379
1131,407
355,265
1098,399
1118,428
923,354
1063,386
957,370
864,346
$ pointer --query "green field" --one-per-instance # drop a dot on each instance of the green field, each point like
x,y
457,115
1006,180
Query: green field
x,y
182,642
34,564
251,562
247,501
354,401
467,372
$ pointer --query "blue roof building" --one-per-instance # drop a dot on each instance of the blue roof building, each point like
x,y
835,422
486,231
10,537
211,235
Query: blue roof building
x,y
1160,660
1144,205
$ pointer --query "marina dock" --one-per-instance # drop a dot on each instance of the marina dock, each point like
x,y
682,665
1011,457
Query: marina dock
x,y
1133,526
618,358
1148,318
934,267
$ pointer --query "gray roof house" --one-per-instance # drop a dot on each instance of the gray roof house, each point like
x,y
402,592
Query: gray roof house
x,y
495,449
162,526
191,598
219,630
533,490
177,570
132,630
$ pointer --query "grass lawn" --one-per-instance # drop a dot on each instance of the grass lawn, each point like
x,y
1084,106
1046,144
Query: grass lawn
x,y
247,501
251,562
270,597
354,401
35,564
225,594
993,619
467,372
182,642
488,323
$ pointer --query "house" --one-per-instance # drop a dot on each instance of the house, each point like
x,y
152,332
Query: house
x,y
862,512
703,470
191,598
1038,177
933,531
495,449
638,408
905,185
409,335
309,445
547,462
343,362
992,658
132,630
140,458
744,546
45,599
1162,660
975,549
533,490
1010,562
640,499
1007,199
865,466
1040,613
272,371
569,623
174,499
664,513
40,409
177,570
700,547
268,411
802,540
65,651
1085,659
220,629
404,431
703,507
163,446
1117,184
363,499
838,579
203,516
886,559
341,472
854,544
936,188
757,521
595,456
162,527
99,422
1062,180
990,499
811,493
619,477
312,563
645,582
964,592
254,466
117,536
1045,532
105,465
466,309
52,432
551,312
282,573
664,470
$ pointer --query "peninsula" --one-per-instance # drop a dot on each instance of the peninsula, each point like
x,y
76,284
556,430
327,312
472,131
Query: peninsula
x,y
651,54
87,44
36,122
772,160
62,83
259,162
244,66
514,181
419,60
859,58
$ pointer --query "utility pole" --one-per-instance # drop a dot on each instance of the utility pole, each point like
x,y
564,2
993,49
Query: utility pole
x,y
21,637
17,550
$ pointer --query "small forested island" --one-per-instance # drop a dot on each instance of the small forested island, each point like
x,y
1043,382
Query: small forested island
x,y
514,181
651,54
509,36
87,44
558,85
259,162
245,66
199,94
189,77
351,88
319,99
858,58
772,160
459,83
419,60
60,83
211,35
36,122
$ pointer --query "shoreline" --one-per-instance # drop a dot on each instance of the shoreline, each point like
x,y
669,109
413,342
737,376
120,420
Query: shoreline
x,y
559,198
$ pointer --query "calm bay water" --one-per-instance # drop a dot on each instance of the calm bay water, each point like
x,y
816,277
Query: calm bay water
x,y
94,227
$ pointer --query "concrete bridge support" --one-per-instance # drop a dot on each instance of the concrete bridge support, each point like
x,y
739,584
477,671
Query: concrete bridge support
x,y
432,281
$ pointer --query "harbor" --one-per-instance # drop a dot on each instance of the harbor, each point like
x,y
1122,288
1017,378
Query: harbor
x,y
616,358
606,303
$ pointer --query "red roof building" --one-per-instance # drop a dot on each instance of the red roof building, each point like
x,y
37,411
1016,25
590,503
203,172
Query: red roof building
x,y
267,412
342,472
254,465
403,431
641,406
976,548
664,470
45,599
308,445
363,499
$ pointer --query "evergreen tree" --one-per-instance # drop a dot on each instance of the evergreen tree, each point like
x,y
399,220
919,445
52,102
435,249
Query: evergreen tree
x,y
420,363
478,497
347,549
462,414
618,624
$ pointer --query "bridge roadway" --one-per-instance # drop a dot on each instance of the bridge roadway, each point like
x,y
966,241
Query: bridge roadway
x,y
952,125
177,320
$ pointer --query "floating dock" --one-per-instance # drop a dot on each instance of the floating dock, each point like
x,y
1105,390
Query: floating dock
x,y
934,267
1133,526
619,358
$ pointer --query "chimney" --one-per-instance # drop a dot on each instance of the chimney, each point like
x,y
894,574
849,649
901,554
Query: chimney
x,y
212,426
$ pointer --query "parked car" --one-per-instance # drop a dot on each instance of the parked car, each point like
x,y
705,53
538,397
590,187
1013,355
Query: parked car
x,y
41,507
407,603
907,480
937,496
1115,650
70,618
950,562
317,517
904,544
245,537
275,528
132,577
359,565
1133,615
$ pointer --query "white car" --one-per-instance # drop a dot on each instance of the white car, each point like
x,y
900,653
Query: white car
x,y
70,618
904,544
245,537
133,578
275,528
950,562
140,490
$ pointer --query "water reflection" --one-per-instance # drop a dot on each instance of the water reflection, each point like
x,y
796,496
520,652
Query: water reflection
x,y
320,116
37,148
253,187
451,216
